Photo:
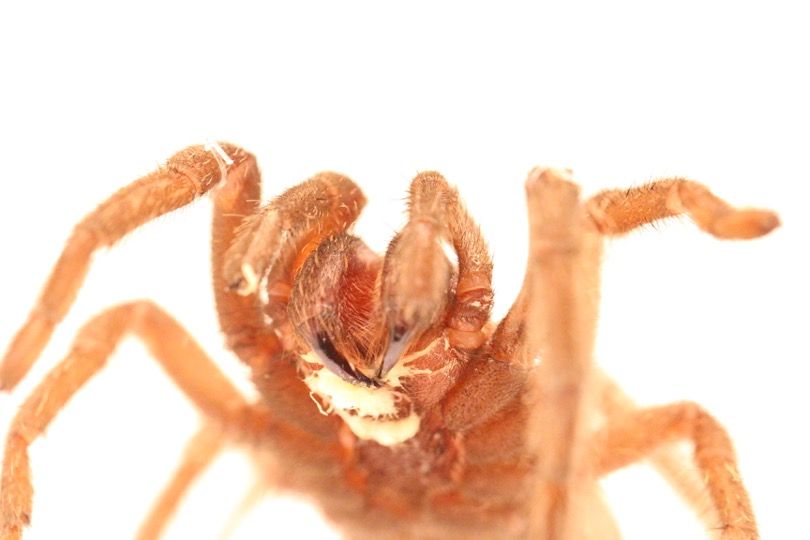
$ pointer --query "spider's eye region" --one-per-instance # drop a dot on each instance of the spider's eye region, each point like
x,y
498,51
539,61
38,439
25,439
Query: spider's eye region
x,y
337,363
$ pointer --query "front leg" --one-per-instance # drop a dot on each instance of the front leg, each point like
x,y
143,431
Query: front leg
x,y
617,211
186,176
552,326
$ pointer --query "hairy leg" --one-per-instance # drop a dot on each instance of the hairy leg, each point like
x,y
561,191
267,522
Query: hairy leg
x,y
629,437
557,311
559,246
200,452
618,211
416,276
186,176
554,317
670,462
240,316
252,497
614,212
172,347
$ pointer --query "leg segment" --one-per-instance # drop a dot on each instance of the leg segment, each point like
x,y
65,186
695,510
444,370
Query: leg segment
x,y
618,211
555,223
270,246
416,275
554,318
633,436
670,462
200,452
432,199
614,212
240,317
186,176
171,345
553,321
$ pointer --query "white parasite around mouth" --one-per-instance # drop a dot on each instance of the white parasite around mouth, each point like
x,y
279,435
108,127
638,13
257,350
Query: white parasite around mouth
x,y
370,412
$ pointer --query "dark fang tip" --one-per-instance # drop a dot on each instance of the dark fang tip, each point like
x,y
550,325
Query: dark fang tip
x,y
397,333
399,339
337,363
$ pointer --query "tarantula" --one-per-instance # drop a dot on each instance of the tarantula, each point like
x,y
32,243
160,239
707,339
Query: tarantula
x,y
387,394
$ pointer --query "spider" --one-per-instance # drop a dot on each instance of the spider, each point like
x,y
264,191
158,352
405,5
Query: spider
x,y
387,394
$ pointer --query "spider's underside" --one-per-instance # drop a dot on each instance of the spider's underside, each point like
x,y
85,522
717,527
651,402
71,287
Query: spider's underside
x,y
387,393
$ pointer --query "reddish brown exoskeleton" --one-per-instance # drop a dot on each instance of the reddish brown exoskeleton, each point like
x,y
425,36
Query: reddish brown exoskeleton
x,y
387,393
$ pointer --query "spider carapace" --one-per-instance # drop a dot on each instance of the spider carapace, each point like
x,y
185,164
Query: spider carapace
x,y
388,396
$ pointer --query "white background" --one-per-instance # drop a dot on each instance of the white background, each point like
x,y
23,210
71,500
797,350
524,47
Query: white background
x,y
92,96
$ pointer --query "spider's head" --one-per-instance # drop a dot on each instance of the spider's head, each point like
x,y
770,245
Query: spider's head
x,y
360,320
359,314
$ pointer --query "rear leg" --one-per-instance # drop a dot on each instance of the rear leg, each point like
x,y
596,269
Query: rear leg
x,y
629,437
200,452
183,360
670,462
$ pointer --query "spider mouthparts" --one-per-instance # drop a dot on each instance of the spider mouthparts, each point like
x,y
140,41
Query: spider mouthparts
x,y
399,339
337,363
250,280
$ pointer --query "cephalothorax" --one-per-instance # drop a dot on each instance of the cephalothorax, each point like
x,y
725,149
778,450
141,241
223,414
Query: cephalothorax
x,y
387,392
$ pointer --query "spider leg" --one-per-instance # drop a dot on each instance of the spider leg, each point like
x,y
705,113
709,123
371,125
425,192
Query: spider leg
x,y
553,320
188,366
185,176
619,211
416,275
614,212
269,247
240,316
629,437
252,497
670,462
557,243
199,453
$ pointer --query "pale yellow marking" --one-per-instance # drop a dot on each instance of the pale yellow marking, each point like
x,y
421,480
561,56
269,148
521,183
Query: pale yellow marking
x,y
219,153
384,432
368,410
318,404
342,394
223,159
251,280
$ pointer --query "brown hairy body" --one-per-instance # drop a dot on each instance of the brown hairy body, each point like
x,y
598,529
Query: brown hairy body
x,y
388,395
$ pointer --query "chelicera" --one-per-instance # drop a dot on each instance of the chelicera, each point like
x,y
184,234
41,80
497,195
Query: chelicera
x,y
388,394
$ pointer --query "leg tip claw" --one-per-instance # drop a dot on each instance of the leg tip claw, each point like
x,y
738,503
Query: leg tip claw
x,y
746,224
